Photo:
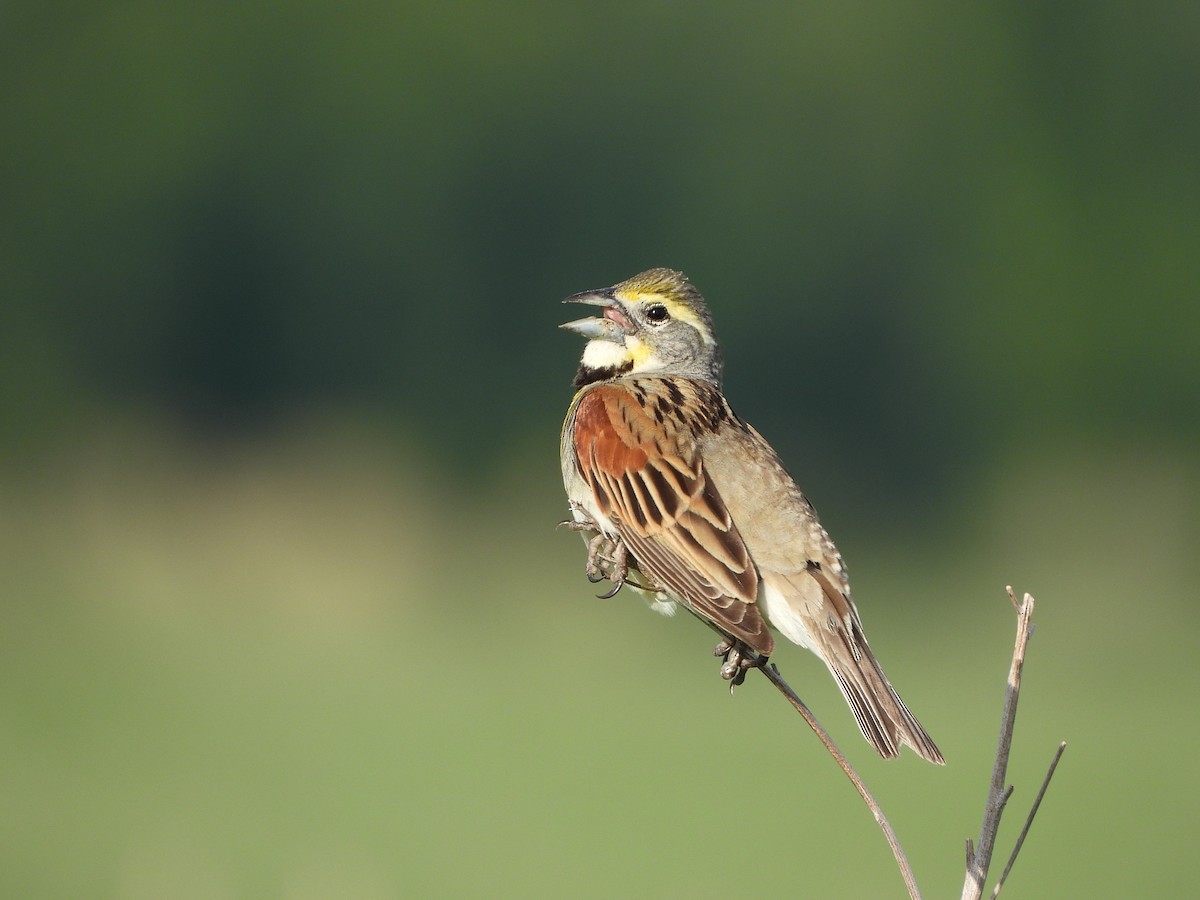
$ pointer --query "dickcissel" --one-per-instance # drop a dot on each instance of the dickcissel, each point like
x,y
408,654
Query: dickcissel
x,y
686,503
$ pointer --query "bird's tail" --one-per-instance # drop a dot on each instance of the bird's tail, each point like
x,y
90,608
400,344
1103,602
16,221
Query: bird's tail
x,y
882,716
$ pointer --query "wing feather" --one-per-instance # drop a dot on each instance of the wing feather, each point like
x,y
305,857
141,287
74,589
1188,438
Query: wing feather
x,y
648,477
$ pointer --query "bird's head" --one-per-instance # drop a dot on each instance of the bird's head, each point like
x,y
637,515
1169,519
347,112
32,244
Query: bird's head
x,y
652,323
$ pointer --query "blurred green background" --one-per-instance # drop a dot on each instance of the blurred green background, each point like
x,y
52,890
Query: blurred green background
x,y
283,612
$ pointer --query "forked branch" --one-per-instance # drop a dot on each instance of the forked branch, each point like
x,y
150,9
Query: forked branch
x,y
1029,819
979,856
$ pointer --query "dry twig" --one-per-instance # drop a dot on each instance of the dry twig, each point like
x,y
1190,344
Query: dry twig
x,y
979,854
910,881
979,857
1029,819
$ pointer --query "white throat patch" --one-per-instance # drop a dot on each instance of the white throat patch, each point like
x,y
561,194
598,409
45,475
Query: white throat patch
x,y
604,355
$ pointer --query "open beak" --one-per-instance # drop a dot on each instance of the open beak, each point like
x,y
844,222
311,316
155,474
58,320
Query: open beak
x,y
612,325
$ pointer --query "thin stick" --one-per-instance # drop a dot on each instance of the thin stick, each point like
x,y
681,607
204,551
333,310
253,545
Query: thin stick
x,y
910,881
977,870
1029,819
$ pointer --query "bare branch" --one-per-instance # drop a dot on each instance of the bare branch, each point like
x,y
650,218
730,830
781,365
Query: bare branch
x,y
1013,598
977,869
1029,819
772,673
737,663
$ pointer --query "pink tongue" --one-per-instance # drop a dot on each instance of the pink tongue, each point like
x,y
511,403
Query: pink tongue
x,y
615,315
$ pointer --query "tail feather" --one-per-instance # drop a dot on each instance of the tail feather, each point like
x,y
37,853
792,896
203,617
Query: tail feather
x,y
810,610
881,715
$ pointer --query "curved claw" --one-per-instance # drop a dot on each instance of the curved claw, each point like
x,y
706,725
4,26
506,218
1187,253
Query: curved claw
x,y
617,585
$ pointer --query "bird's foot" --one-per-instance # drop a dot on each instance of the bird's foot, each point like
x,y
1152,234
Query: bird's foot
x,y
738,660
581,519
596,554
607,559
618,561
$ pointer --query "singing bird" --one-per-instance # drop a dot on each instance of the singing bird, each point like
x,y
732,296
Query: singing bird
x,y
683,501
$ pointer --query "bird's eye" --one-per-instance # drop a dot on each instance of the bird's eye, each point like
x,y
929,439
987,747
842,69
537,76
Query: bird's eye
x,y
657,314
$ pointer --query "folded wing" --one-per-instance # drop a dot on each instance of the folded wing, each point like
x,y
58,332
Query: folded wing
x,y
647,476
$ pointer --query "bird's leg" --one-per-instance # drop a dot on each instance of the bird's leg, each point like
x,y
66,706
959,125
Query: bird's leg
x,y
601,548
611,550
581,519
620,567
723,646
595,553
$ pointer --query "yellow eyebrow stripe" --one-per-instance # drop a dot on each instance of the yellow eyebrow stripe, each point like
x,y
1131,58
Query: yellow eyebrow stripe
x,y
677,309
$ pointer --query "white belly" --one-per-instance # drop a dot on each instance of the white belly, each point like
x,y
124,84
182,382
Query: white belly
x,y
784,617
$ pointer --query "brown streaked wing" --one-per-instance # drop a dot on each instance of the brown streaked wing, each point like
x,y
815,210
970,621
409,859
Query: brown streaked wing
x,y
649,479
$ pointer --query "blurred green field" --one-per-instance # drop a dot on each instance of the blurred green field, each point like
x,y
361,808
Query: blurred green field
x,y
283,612
307,667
